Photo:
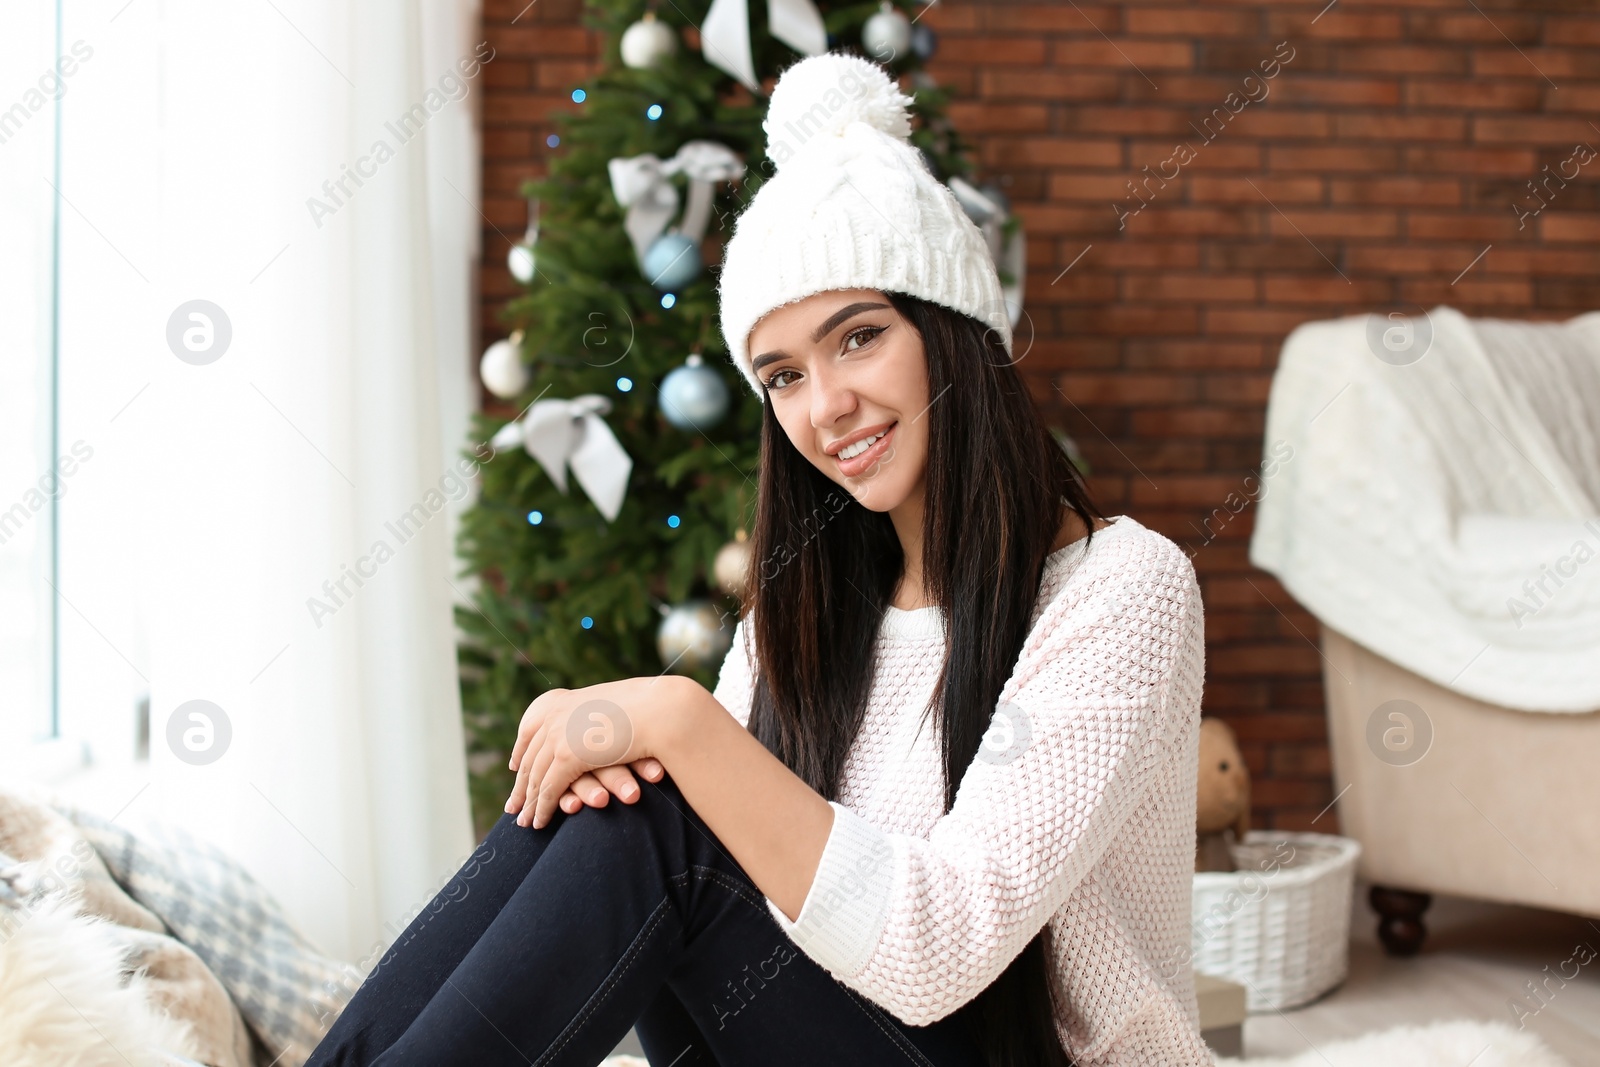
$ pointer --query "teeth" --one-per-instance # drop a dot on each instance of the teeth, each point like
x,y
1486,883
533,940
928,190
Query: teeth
x,y
852,451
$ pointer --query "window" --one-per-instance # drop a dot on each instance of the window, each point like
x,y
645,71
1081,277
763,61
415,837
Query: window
x,y
31,482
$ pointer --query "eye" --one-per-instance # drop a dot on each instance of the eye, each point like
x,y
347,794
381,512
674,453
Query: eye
x,y
872,331
775,377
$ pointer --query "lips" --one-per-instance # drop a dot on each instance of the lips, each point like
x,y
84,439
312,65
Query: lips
x,y
850,468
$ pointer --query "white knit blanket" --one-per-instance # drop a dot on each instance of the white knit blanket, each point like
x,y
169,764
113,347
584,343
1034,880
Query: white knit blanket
x,y
1443,512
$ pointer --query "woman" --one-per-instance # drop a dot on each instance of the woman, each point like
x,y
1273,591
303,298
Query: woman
x,y
806,875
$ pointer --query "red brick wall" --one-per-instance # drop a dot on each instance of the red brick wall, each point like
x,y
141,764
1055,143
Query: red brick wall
x,y
1388,153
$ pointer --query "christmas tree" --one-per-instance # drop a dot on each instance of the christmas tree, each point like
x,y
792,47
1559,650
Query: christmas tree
x,y
615,351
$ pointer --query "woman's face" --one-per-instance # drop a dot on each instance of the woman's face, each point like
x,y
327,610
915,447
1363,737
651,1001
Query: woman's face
x,y
839,367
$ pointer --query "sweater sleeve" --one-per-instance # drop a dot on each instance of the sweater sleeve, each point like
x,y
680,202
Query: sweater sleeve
x,y
735,684
920,925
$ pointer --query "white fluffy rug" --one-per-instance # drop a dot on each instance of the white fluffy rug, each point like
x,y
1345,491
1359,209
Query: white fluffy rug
x,y
1456,1043
64,1000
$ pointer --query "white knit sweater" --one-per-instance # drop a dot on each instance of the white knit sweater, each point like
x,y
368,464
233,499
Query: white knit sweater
x,y
1079,812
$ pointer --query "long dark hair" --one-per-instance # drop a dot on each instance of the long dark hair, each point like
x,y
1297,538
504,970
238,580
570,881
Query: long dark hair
x,y
824,568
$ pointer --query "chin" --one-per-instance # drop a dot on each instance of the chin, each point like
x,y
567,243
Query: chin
x,y
883,493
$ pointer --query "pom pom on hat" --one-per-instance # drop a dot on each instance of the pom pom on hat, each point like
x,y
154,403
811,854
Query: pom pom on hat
x,y
821,96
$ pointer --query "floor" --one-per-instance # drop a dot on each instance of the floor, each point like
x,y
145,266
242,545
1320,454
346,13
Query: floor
x,y
1475,964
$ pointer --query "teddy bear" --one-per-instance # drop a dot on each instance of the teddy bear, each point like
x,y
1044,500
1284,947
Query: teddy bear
x,y
1224,800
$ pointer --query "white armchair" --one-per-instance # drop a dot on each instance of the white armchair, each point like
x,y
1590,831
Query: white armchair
x,y
1433,498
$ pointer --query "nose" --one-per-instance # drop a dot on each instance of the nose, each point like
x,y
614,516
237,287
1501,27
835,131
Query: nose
x,y
831,397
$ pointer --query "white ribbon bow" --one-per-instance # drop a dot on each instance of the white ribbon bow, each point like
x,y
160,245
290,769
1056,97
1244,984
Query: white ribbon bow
x,y
1012,255
559,433
725,34
640,184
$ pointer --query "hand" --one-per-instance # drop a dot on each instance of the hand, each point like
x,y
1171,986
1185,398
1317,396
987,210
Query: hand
x,y
577,744
597,787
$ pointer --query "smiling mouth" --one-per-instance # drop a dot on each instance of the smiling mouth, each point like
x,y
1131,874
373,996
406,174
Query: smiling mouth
x,y
859,462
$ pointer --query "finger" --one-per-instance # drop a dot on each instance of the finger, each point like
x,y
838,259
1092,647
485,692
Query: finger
x,y
524,732
592,790
519,791
511,797
558,774
519,788
618,781
649,768
570,802
528,736
537,761
527,775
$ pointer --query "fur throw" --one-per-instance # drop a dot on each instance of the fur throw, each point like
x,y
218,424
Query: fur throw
x,y
77,950
67,998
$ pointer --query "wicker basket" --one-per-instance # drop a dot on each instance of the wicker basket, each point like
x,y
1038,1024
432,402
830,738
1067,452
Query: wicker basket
x,y
1280,924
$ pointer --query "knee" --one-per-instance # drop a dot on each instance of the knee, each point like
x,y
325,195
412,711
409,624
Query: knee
x,y
659,805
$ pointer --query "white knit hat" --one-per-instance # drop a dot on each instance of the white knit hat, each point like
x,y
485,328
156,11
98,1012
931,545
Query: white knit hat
x,y
852,206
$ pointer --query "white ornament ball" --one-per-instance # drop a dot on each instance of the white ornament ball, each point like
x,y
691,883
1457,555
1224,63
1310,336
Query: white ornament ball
x,y
503,372
520,262
647,42
693,636
887,35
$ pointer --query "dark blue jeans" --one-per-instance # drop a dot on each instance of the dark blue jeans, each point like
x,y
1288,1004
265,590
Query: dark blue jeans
x,y
549,944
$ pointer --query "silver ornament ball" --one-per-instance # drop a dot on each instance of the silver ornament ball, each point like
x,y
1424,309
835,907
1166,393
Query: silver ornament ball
x,y
693,636
672,262
693,396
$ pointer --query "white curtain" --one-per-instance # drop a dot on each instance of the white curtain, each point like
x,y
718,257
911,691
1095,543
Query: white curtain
x,y
223,543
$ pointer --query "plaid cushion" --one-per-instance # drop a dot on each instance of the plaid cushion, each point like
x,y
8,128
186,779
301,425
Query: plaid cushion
x,y
287,991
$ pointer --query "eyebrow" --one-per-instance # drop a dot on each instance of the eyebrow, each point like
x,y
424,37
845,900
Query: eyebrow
x,y
821,331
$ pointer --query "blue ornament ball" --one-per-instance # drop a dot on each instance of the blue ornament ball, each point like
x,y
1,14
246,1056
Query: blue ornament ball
x,y
693,396
672,262
924,42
